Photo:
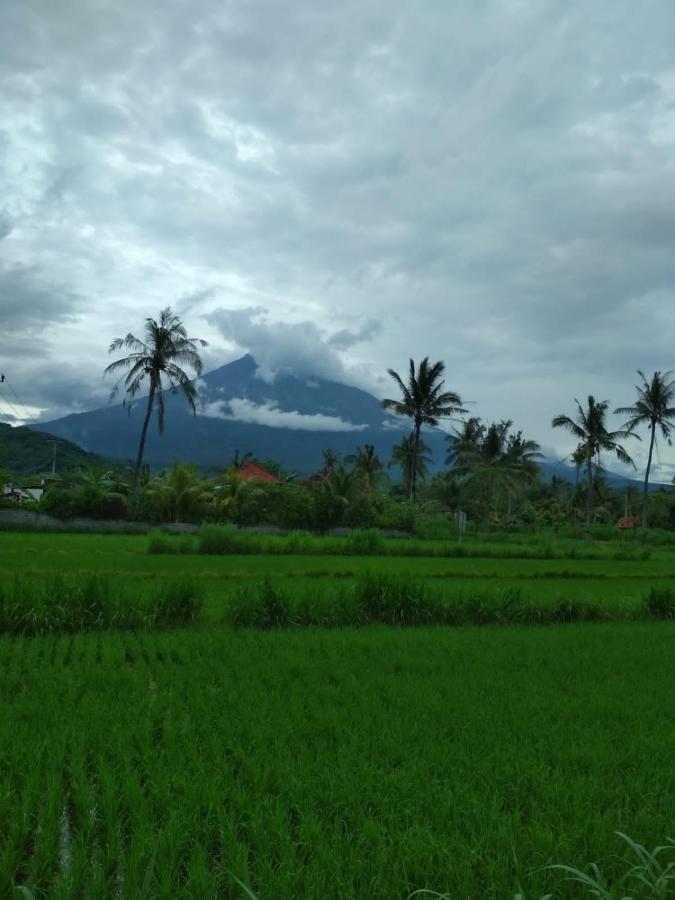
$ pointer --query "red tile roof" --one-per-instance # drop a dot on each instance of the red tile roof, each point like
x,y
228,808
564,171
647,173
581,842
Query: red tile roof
x,y
252,470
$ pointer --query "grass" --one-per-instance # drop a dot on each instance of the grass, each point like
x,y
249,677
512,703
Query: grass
x,y
335,762
317,764
92,603
227,540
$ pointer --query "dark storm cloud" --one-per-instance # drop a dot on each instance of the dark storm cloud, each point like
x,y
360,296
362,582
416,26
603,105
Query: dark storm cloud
x,y
491,182
29,301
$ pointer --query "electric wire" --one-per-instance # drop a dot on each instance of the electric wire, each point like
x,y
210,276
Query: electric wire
x,y
16,394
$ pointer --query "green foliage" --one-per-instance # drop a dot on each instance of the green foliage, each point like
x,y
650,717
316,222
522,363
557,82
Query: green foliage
x,y
223,540
334,760
365,542
660,603
75,604
651,877
262,606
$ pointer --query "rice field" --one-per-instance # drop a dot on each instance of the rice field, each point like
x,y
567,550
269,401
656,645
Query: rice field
x,y
356,762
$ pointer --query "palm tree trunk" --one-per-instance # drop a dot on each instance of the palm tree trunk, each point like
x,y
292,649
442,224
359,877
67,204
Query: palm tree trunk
x,y
589,495
649,465
413,480
144,431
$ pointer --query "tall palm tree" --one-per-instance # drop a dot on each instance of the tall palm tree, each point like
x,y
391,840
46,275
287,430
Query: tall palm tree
x,y
590,428
165,349
655,408
424,401
413,460
368,464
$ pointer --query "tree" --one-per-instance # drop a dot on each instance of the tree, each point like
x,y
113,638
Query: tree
x,y
161,355
413,459
424,401
330,461
654,408
590,428
368,465
179,494
498,459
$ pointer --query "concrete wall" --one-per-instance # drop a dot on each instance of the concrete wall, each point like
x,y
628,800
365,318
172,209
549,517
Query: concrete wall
x,y
27,520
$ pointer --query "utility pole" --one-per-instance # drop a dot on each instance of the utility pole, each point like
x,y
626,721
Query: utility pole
x,y
54,443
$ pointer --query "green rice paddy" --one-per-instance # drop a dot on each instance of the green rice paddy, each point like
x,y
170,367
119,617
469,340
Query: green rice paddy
x,y
320,763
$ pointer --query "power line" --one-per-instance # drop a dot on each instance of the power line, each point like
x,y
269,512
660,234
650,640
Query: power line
x,y
11,406
25,408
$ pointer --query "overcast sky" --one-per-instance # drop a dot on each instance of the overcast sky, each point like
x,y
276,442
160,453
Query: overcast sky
x,y
338,186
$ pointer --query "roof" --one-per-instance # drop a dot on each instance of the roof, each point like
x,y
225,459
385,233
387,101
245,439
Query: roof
x,y
252,471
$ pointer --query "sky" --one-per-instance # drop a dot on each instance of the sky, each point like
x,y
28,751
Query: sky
x,y
338,187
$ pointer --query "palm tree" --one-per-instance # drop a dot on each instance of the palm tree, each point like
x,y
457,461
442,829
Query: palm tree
x,y
424,402
368,464
165,349
412,458
655,408
178,493
330,460
590,428
497,458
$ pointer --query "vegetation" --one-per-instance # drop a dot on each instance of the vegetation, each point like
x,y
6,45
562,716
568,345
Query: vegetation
x,y
330,764
655,408
29,453
590,429
425,402
163,353
92,603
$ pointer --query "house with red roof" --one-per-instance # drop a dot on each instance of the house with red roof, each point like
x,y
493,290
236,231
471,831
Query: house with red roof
x,y
252,471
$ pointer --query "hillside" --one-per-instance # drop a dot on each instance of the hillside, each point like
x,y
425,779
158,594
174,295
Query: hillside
x,y
291,420
24,451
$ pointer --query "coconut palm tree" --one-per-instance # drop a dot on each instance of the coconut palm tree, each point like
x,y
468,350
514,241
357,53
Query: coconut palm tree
x,y
368,464
330,460
413,459
157,359
590,428
424,401
655,408
498,459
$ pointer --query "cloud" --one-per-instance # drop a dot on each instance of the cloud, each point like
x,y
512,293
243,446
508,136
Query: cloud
x,y
346,339
489,182
29,300
279,347
242,410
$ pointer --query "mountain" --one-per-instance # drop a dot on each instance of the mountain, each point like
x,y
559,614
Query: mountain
x,y
24,451
290,420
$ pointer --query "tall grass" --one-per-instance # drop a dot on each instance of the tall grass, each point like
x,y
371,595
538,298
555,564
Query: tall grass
x,y
93,603
400,601
228,539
